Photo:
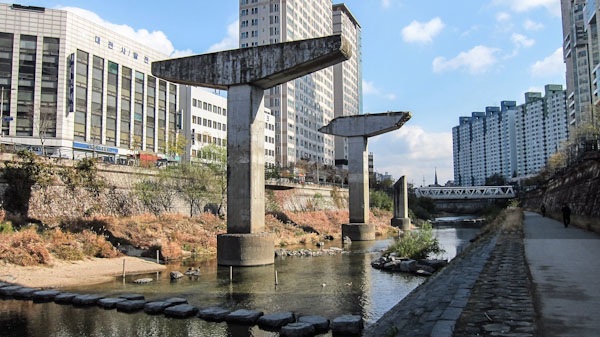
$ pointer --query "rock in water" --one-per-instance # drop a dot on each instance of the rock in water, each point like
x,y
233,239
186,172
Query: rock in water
x,y
347,325
243,316
297,330
181,311
142,281
321,324
110,302
276,320
213,314
346,240
176,275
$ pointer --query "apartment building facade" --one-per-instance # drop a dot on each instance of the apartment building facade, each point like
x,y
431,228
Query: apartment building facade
x,y
510,140
302,106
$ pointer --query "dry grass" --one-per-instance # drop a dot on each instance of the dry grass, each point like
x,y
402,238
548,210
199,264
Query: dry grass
x,y
509,220
23,248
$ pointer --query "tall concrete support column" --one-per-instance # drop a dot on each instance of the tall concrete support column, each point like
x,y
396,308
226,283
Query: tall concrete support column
x,y
358,179
401,218
246,73
358,128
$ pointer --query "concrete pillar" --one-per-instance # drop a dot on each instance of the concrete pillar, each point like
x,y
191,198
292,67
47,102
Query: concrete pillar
x,y
245,243
358,179
401,218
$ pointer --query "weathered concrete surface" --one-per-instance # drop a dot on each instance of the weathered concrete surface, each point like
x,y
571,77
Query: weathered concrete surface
x,y
401,218
358,180
245,250
359,231
263,66
366,125
245,160
565,269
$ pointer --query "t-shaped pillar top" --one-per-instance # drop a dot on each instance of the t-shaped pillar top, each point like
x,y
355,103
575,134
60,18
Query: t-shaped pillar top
x,y
367,125
262,66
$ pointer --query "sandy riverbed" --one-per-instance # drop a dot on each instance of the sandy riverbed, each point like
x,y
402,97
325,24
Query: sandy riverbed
x,y
76,273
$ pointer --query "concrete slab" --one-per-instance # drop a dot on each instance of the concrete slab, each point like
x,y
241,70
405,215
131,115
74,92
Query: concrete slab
x,y
45,295
86,300
366,125
132,296
181,311
243,316
245,249
213,314
9,291
347,325
297,330
110,302
320,323
565,269
263,66
65,298
359,231
25,293
276,320
131,305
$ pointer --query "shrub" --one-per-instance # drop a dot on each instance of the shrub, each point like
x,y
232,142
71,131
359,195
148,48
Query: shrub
x,y
417,244
24,248
96,245
6,227
63,245
381,200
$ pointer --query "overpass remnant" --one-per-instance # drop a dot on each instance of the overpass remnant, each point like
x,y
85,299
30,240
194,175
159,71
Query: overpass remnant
x,y
358,129
401,218
246,73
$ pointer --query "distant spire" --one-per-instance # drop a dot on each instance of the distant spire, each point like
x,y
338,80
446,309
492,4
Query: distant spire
x,y
436,180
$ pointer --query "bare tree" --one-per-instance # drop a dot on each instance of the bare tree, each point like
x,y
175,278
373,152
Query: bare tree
x,y
46,127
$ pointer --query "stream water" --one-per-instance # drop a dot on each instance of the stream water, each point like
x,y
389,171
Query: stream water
x,y
328,286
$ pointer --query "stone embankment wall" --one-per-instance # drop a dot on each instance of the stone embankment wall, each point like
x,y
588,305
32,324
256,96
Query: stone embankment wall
x,y
116,199
579,187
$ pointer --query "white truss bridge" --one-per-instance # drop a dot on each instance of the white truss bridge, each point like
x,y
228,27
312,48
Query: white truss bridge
x,y
472,192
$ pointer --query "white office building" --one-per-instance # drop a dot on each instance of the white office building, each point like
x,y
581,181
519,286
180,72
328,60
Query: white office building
x,y
80,88
513,141
301,106
206,113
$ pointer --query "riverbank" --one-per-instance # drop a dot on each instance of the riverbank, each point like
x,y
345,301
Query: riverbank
x,y
76,273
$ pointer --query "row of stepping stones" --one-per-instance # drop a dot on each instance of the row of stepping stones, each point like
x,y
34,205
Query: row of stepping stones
x,y
285,322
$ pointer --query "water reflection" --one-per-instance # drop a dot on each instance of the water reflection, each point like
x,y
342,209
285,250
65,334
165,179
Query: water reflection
x,y
328,286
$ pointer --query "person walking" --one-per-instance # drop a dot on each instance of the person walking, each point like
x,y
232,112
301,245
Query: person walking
x,y
566,211
543,209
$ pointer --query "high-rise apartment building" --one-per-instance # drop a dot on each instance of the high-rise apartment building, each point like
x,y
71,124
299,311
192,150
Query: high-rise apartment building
x,y
510,140
582,58
347,76
81,89
302,106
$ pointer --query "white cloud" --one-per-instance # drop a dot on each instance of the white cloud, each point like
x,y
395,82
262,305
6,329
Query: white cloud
x,y
156,39
521,41
550,66
386,3
422,32
414,152
477,60
553,6
231,41
502,17
370,89
532,25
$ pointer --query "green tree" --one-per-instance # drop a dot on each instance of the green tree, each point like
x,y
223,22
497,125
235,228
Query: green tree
x,y
216,162
193,183
417,244
380,199
176,147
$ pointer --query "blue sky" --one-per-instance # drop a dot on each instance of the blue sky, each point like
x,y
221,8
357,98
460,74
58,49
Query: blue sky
x,y
438,59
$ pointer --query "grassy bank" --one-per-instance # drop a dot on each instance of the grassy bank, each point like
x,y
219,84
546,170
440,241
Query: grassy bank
x,y
174,235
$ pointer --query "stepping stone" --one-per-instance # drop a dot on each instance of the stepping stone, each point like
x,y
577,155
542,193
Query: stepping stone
x,y
25,293
5,284
347,325
176,300
10,290
65,298
297,330
158,307
86,300
45,295
213,314
110,302
181,311
131,305
244,316
276,320
132,296
321,324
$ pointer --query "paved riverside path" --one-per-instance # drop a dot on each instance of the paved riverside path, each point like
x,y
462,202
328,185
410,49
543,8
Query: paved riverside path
x,y
565,267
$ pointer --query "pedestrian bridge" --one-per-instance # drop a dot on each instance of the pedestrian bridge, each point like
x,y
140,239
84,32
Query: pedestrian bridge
x,y
461,193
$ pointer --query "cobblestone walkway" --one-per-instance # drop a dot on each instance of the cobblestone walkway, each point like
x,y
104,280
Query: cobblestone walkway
x,y
434,307
501,303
